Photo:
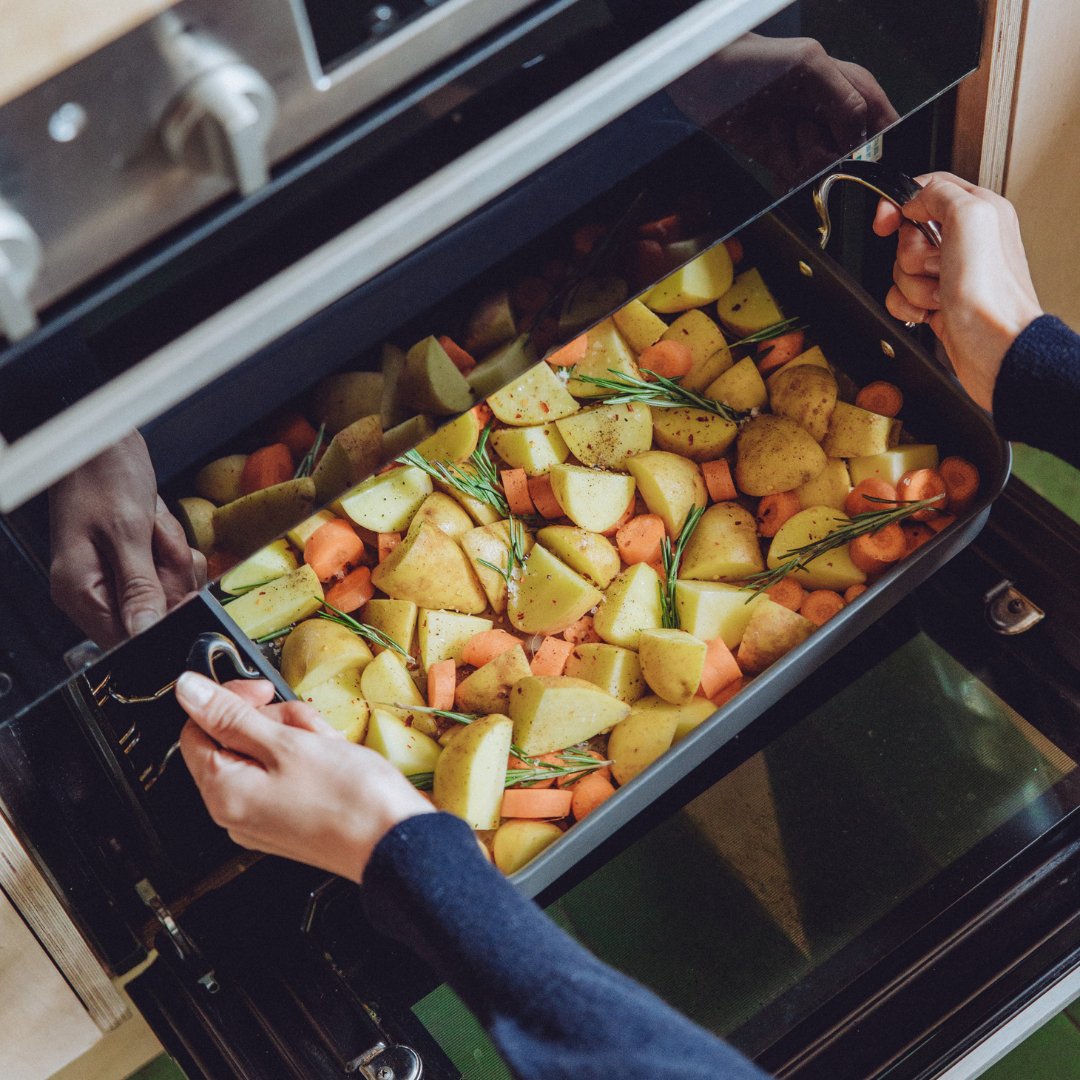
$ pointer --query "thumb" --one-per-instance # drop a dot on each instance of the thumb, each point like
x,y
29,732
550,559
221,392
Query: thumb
x,y
943,197
136,586
228,719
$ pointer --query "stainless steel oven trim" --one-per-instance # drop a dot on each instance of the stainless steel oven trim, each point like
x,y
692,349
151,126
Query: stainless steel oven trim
x,y
30,465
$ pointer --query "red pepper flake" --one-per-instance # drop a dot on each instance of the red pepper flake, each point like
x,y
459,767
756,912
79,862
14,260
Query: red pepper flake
x,y
544,407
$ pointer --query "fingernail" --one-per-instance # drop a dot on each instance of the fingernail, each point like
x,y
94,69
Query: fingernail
x,y
935,296
142,620
194,689
932,264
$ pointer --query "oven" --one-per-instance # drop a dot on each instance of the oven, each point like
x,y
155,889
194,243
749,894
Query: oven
x,y
864,864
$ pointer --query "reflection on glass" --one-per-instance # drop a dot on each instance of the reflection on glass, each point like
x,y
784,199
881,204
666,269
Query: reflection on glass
x,y
806,846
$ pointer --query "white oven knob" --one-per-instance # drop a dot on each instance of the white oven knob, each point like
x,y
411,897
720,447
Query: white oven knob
x,y
220,124
20,262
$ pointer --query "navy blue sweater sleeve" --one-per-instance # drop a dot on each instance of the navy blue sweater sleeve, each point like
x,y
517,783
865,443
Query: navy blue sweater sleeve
x,y
552,1009
1037,394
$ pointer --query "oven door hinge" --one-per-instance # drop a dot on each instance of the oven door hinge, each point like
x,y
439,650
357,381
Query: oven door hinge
x,y
1009,611
186,949
394,1062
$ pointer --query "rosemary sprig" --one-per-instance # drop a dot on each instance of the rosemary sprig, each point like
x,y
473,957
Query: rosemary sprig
x,y
446,714
248,588
784,326
275,634
577,763
368,633
869,522
307,462
671,555
663,393
478,477
515,552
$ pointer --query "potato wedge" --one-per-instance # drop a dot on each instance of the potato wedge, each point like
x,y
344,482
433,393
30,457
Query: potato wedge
x,y
219,481
741,387
491,544
395,618
805,394
341,704
772,632
406,748
552,712
892,464
454,441
352,456
712,609
830,487
724,546
604,436
703,338
432,382
855,432
534,449
487,689
444,513
535,398
340,400
519,841
636,742
834,569
270,562
670,485
274,606
631,604
590,554
692,433
549,596
748,306
672,663
253,520
591,299
443,634
319,650
592,499
699,282
639,325
615,670
196,516
471,771
607,357
775,454
429,568
513,359
491,323
386,502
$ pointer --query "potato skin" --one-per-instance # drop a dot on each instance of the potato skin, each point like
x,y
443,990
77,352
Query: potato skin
x,y
807,395
775,454
694,433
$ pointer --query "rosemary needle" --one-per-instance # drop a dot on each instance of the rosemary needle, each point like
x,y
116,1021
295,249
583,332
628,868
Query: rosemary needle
x,y
576,764
367,632
671,555
784,326
478,477
661,393
307,462
515,551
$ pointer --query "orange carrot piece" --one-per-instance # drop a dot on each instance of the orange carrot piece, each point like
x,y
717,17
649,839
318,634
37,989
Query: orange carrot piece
x,y
860,498
640,538
786,592
543,497
574,778
295,432
721,668
514,762
961,482
718,480
332,548
735,249
853,592
387,542
551,657
774,510
531,802
482,648
352,591
219,562
916,533
515,485
632,509
573,352
672,359
821,605
665,230
589,793
775,352
484,415
582,632
268,466
531,294
728,693
463,361
918,484
880,397
441,684
586,237
942,521
874,552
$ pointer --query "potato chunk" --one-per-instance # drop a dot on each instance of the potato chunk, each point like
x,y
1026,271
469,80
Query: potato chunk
x,y
319,650
429,568
604,436
672,662
592,499
535,398
549,596
471,771
775,454
551,712
631,604
724,546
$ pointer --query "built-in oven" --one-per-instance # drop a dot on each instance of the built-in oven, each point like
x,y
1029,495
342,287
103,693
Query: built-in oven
x,y
863,864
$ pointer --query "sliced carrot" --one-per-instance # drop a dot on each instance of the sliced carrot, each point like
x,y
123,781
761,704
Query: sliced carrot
x,y
441,684
536,803
295,432
640,538
728,692
219,562
672,359
665,230
874,552
463,361
787,592
880,397
821,605
574,778
918,484
543,497
332,548
942,521
631,510
515,762
573,352
853,592
582,632
352,591
531,294
860,499
266,467
484,415
718,480
916,533
961,482
734,249
661,573
589,793
775,352
586,237
551,657
774,510
387,542
482,648
515,485
720,669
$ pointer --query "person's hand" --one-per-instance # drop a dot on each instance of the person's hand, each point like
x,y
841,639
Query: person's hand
x,y
120,560
283,781
976,291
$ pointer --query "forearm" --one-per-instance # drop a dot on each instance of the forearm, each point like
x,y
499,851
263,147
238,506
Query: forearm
x,y
552,1009
1037,394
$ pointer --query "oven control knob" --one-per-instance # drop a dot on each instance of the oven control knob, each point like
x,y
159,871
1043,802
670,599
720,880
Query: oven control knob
x,y
220,124
20,263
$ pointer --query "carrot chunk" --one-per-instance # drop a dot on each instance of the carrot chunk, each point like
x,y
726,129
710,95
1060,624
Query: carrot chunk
x,y
774,510
353,591
728,692
775,352
640,538
916,533
874,552
718,480
573,352
721,668
880,397
387,542
484,415
295,432
734,249
860,499
534,803
482,648
543,497
786,592
441,684
551,657
821,605
582,632
853,592
961,479
589,793
672,359
266,467
918,484
515,485
332,548
462,360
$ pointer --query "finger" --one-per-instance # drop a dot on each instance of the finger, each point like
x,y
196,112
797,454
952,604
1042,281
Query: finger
x,y
256,692
915,254
136,587
879,109
921,292
82,590
950,178
941,198
901,308
172,556
838,104
887,218
228,719
299,714
199,564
